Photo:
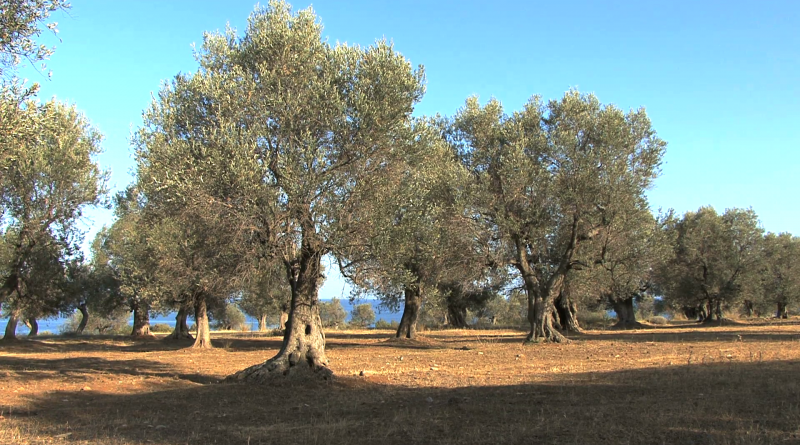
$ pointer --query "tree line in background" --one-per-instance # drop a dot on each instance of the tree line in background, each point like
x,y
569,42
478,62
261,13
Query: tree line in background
x,y
282,149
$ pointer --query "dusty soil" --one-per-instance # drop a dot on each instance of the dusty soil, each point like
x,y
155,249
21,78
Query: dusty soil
x,y
677,384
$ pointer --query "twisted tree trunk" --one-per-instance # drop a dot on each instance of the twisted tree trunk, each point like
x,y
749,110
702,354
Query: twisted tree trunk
x,y
626,315
33,325
408,322
567,313
203,337
262,323
141,321
11,327
303,351
84,318
181,330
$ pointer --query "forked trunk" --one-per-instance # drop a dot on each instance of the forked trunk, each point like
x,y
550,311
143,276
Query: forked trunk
x,y
34,327
262,323
408,323
11,327
783,311
141,321
626,315
541,309
457,316
181,331
202,339
302,354
567,313
283,320
712,311
84,318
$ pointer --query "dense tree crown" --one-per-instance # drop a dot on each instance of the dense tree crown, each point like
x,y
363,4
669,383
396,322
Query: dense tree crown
x,y
549,178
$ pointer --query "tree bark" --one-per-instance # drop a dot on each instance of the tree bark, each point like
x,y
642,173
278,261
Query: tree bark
x,y
262,323
202,338
11,327
302,354
408,322
626,315
541,308
567,313
141,321
34,327
181,330
84,318
783,311
457,316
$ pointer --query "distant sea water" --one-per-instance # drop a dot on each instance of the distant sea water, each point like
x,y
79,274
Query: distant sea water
x,y
53,325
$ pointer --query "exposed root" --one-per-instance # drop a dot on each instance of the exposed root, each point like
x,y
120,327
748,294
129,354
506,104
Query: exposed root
x,y
293,366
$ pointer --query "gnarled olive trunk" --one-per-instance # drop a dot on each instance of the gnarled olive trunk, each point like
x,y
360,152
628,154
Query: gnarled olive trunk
x,y
626,314
457,316
567,313
408,322
202,338
783,311
141,321
262,323
541,307
303,350
33,325
11,327
84,318
181,330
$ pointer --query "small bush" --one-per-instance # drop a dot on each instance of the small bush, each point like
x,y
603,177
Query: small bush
x,y
161,327
658,320
383,324
594,319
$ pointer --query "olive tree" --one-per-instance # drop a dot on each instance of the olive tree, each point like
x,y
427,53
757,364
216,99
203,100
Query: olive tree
x,y
279,127
715,261
780,275
548,176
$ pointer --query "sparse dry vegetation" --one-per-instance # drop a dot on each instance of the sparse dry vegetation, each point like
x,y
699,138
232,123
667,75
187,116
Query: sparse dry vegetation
x,y
675,384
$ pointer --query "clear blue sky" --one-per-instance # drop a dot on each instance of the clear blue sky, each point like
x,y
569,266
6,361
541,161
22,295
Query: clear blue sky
x,y
719,79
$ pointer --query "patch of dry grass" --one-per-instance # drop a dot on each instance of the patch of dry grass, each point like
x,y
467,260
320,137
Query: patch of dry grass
x,y
677,384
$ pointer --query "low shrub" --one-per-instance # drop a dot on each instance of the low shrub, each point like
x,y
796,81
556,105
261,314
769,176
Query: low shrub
x,y
595,319
658,320
161,328
383,324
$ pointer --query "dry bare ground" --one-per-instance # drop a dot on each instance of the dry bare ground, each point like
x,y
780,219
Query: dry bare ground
x,y
710,385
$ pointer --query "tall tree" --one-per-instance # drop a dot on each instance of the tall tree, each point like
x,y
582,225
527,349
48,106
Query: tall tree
x,y
548,177
280,127
49,181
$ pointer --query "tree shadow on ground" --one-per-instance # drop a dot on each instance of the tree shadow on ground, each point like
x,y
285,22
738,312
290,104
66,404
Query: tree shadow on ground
x,y
32,369
720,403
